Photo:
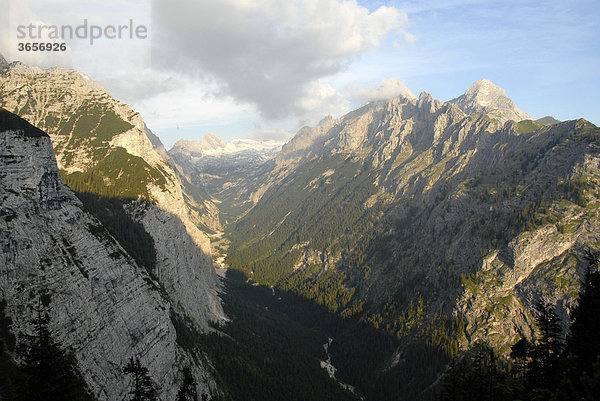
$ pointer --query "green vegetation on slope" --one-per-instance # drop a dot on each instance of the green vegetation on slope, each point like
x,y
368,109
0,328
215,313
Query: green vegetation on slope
x,y
526,126
309,208
397,264
118,174
266,352
555,367
273,346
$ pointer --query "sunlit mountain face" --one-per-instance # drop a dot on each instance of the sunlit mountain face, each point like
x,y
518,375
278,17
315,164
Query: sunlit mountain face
x,y
244,200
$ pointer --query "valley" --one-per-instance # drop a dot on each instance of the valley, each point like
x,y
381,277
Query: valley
x,y
360,260
437,228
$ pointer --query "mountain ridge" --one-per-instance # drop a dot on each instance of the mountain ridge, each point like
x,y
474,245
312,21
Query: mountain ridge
x,y
102,146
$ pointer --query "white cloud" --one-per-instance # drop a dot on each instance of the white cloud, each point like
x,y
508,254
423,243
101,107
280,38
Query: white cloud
x,y
409,38
268,52
387,89
190,105
219,61
107,60
317,101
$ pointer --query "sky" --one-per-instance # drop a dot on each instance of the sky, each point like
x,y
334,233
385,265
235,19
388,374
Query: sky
x,y
265,68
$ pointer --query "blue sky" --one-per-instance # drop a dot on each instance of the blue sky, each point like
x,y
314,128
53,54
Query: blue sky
x,y
264,68
546,54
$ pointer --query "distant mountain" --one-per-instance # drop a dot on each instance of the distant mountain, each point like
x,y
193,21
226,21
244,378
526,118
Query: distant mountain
x,y
103,307
220,169
548,120
3,63
212,145
485,97
197,148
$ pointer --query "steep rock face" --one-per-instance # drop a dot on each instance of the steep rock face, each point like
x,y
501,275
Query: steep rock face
x,y
97,136
484,96
178,256
104,308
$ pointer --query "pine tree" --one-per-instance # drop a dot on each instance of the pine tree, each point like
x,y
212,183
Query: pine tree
x,y
48,373
545,366
582,354
143,388
520,353
583,347
187,391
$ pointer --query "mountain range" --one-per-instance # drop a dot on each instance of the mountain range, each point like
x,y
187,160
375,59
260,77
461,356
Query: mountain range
x,y
437,224
408,200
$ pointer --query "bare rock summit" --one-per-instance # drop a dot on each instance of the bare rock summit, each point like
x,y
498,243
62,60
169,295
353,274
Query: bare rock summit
x,y
485,97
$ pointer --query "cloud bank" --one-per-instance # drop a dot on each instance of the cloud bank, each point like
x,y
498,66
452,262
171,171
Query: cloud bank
x,y
387,89
269,53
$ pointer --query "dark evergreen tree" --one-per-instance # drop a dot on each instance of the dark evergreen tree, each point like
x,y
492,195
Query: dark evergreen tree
x,y
451,384
187,391
520,353
583,348
582,353
545,368
48,373
142,387
543,371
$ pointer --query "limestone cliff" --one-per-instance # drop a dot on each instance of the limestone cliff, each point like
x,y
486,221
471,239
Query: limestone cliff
x,y
104,307
102,146
485,97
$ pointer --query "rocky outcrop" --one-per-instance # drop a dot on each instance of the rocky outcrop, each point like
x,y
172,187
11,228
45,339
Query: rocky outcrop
x,y
103,307
178,257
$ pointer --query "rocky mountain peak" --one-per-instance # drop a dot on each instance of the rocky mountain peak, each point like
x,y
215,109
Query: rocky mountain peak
x,y
486,97
212,141
208,142
484,89
3,61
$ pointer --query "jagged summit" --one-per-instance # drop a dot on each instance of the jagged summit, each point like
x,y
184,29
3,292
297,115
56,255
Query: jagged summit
x,y
484,96
548,120
484,88
4,65
210,141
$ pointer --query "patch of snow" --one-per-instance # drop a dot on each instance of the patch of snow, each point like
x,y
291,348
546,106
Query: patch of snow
x,y
237,145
